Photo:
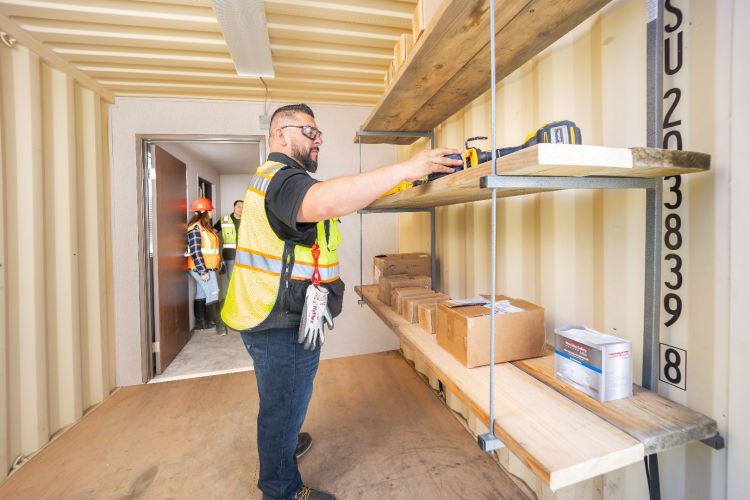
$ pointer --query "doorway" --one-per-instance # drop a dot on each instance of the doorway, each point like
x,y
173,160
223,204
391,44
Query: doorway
x,y
205,189
174,171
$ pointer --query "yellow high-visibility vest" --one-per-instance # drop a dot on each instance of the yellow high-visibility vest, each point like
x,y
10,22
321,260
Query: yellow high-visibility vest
x,y
254,284
228,232
209,248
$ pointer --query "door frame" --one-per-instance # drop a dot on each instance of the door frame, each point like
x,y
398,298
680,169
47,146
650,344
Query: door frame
x,y
145,236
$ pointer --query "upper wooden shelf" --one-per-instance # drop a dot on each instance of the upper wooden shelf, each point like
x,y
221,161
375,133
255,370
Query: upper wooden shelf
x,y
561,160
449,66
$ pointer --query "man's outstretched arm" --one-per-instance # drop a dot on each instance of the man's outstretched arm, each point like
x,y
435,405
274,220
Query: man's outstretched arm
x,y
345,195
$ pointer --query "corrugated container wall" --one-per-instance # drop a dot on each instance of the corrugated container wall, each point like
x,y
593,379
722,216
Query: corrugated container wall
x,y
581,254
56,348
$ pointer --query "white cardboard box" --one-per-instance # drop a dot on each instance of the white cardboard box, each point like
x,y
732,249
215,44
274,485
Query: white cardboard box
x,y
595,363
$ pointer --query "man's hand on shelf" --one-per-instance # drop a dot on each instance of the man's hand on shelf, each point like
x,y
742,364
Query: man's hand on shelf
x,y
430,161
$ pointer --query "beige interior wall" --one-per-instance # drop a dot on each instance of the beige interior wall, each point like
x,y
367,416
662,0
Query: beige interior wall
x,y
580,254
738,433
55,258
232,188
4,438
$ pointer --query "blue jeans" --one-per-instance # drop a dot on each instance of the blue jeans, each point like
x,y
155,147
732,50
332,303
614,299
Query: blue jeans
x,y
284,372
208,290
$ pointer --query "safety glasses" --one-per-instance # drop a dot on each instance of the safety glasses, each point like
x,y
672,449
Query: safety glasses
x,y
308,131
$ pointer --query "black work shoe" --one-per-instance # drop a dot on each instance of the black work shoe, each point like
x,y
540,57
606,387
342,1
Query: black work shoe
x,y
304,443
310,494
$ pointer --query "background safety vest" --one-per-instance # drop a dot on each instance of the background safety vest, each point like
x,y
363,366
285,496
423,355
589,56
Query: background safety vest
x,y
259,264
228,232
209,248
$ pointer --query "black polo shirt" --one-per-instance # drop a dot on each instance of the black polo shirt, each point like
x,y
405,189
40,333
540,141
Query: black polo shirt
x,y
284,198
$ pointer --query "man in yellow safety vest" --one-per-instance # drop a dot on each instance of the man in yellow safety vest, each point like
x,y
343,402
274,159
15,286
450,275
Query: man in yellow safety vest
x,y
227,227
287,239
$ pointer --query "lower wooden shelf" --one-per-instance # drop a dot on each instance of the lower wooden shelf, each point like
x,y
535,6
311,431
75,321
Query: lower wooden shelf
x,y
562,442
655,421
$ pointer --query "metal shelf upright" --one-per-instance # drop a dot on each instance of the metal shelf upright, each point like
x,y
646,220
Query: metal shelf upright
x,y
433,250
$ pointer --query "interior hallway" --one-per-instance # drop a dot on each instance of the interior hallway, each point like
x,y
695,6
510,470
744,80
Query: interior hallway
x,y
379,431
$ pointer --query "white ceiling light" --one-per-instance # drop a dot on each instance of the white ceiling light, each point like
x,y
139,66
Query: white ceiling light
x,y
243,23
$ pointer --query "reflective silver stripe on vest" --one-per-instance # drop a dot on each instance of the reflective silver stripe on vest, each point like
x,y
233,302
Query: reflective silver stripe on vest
x,y
230,245
273,266
259,262
305,272
261,183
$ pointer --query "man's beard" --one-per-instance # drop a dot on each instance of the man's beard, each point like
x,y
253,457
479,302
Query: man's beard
x,y
305,159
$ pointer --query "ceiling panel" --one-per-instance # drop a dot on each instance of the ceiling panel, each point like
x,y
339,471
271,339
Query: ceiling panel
x,y
225,158
324,51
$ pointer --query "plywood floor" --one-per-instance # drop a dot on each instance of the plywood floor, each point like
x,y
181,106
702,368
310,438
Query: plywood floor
x,y
379,431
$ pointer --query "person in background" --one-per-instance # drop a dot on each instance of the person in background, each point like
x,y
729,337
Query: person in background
x,y
203,263
227,228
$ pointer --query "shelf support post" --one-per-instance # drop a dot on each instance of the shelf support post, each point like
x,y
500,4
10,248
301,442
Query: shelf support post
x,y
430,135
433,251
489,442
652,300
651,327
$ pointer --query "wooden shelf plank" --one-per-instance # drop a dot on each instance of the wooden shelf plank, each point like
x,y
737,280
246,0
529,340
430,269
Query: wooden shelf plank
x,y
658,423
448,67
568,160
559,440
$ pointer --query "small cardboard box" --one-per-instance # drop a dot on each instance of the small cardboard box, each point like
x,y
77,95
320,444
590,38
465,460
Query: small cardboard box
x,y
463,329
595,363
388,283
409,309
410,264
423,14
401,49
399,295
427,314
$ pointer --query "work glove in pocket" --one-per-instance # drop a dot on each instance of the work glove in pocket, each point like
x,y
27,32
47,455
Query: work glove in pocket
x,y
315,315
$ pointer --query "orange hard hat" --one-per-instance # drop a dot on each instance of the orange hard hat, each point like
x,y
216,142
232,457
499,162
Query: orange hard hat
x,y
201,205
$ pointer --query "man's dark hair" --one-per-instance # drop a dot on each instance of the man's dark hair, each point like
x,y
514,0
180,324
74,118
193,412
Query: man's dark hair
x,y
291,109
237,201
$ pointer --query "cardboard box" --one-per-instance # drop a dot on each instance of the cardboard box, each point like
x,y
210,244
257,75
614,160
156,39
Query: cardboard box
x,y
464,331
427,314
410,264
398,295
595,363
423,14
409,309
388,283
401,49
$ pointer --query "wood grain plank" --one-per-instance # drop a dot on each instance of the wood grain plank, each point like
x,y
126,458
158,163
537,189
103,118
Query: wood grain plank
x,y
655,421
566,160
560,441
532,28
448,69
442,50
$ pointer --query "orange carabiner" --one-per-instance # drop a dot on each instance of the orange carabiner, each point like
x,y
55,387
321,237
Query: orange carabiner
x,y
316,270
